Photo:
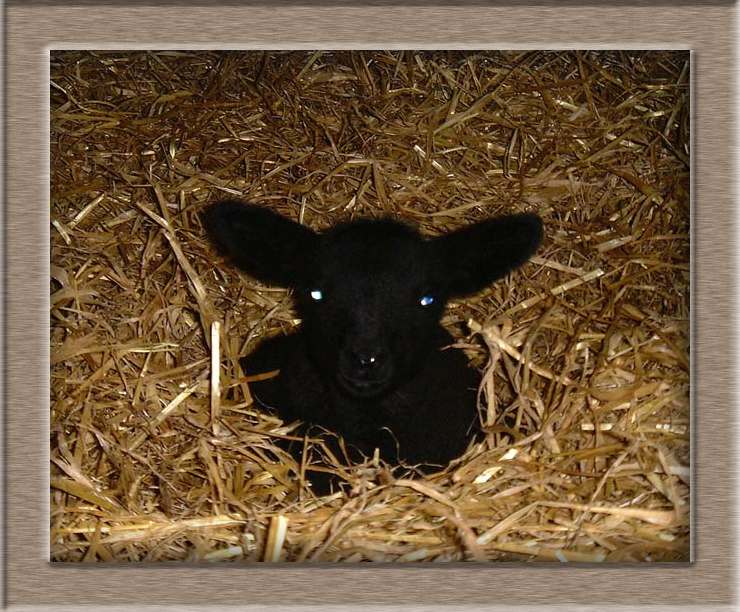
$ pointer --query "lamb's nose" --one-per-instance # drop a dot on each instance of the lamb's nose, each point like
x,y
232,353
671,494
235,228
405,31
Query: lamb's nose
x,y
368,360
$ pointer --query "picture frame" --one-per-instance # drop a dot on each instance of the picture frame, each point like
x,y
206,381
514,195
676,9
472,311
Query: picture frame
x,y
707,29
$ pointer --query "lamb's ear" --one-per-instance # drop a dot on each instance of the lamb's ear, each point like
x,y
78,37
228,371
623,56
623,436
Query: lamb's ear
x,y
471,258
267,246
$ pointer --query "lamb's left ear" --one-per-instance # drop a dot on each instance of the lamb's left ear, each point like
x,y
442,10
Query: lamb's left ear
x,y
471,258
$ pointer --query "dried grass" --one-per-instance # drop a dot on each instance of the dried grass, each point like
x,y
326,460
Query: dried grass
x,y
157,450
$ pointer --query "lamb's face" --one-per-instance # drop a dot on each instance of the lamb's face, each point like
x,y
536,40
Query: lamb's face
x,y
370,306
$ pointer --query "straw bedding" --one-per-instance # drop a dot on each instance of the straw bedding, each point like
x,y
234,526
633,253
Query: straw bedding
x,y
157,451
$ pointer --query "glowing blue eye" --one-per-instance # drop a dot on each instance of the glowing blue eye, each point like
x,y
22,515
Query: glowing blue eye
x,y
426,300
317,295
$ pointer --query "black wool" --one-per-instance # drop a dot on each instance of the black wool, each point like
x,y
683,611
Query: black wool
x,y
371,361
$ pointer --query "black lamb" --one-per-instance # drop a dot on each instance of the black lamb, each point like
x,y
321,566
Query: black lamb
x,y
371,362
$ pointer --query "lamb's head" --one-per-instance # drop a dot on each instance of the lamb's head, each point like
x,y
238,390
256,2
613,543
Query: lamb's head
x,y
370,292
370,305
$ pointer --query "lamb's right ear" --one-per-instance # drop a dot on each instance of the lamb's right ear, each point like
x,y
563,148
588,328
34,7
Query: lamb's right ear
x,y
267,246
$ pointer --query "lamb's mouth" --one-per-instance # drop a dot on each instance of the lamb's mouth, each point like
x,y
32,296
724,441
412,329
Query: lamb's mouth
x,y
363,388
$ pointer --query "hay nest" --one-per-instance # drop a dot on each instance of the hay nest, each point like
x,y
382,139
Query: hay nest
x,y
157,452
